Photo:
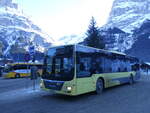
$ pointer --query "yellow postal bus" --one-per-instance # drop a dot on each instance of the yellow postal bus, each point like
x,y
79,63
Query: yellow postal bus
x,y
17,70
76,69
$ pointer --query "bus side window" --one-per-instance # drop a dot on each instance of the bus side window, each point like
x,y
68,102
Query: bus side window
x,y
110,69
82,67
119,69
100,69
133,68
125,69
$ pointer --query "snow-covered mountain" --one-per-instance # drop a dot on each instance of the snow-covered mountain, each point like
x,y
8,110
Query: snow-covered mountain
x,y
133,18
129,14
116,39
141,47
72,39
17,31
126,17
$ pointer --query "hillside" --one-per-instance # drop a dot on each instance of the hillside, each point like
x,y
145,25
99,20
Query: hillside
x,y
18,32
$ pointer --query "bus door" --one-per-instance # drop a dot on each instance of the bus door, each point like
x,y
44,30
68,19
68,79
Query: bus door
x,y
85,81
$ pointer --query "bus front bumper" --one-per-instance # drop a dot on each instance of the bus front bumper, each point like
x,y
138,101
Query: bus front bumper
x,y
65,90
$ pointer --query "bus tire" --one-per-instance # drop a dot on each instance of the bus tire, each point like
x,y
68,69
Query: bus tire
x,y
131,80
17,75
99,86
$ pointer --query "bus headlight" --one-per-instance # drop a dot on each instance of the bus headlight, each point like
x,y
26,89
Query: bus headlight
x,y
69,88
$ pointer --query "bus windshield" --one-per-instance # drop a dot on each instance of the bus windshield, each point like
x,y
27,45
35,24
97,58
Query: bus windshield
x,y
59,65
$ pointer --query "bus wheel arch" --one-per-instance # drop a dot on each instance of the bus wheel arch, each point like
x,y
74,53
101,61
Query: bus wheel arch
x,y
99,85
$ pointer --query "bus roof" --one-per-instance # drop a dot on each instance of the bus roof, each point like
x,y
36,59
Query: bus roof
x,y
116,52
102,50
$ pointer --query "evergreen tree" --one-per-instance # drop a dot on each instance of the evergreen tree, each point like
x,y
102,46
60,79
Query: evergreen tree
x,y
94,39
1,48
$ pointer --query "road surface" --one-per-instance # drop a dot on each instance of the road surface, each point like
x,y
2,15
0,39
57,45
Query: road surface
x,y
16,97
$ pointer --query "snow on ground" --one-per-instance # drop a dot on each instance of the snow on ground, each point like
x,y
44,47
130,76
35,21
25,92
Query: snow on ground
x,y
20,93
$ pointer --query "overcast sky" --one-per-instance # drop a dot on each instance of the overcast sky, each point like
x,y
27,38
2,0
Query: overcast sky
x,y
66,17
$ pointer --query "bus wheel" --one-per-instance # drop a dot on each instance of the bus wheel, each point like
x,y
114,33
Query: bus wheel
x,y
99,86
131,81
17,75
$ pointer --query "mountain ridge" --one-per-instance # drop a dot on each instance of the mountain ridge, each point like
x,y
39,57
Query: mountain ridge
x,y
128,14
17,30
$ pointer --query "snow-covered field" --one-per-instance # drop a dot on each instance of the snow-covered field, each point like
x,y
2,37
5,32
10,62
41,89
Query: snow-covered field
x,y
19,93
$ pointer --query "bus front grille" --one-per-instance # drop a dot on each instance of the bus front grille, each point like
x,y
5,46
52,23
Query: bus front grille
x,y
55,85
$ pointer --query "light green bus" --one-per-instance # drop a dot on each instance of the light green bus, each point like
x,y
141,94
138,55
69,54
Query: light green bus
x,y
76,69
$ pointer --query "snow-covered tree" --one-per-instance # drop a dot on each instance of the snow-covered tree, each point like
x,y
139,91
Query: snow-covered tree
x,y
94,39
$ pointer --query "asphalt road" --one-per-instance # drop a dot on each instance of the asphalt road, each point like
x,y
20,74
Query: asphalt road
x,y
121,99
14,84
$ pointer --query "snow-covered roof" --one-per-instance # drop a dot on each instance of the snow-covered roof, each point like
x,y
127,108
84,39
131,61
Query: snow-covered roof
x,y
148,63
